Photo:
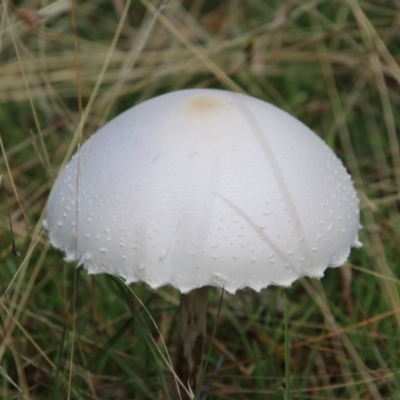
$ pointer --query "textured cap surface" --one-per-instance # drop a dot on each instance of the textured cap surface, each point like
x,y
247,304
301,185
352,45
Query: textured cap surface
x,y
205,187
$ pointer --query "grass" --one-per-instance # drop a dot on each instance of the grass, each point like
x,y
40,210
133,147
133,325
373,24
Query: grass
x,y
332,64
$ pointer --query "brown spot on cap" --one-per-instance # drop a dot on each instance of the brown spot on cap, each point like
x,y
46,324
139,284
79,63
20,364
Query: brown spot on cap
x,y
205,105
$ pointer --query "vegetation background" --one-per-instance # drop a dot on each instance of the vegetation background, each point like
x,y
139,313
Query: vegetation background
x,y
332,64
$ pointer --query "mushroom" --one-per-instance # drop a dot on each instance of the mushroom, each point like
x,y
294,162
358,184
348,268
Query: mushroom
x,y
200,188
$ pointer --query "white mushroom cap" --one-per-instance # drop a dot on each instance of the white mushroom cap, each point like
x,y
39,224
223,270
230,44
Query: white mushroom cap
x,y
205,187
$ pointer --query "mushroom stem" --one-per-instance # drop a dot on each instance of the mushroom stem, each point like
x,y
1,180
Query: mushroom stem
x,y
191,335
